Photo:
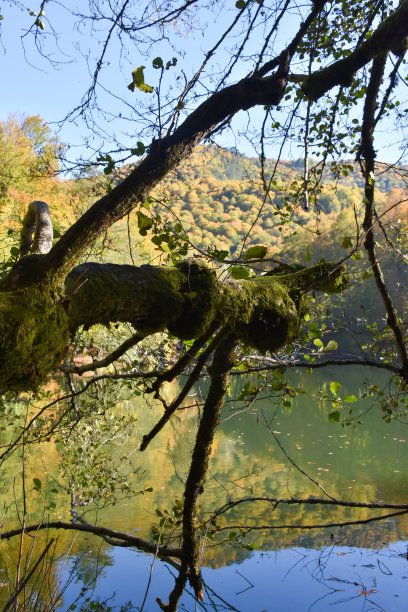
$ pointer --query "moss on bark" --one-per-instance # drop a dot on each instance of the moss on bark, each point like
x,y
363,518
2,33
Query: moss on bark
x,y
34,338
264,313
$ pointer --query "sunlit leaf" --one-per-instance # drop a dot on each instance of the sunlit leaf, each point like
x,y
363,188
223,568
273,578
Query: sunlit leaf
x,y
347,242
139,82
357,255
144,223
334,387
239,272
255,252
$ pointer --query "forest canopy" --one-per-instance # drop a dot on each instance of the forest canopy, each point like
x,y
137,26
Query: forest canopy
x,y
164,256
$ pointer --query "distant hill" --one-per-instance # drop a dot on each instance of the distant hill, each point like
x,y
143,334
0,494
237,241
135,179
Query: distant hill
x,y
219,198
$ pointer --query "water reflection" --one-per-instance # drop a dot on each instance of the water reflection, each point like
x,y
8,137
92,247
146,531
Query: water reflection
x,y
299,579
307,570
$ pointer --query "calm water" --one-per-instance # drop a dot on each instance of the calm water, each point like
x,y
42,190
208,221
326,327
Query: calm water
x,y
354,568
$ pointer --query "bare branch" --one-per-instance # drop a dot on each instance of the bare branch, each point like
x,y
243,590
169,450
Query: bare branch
x,y
126,538
103,363
390,33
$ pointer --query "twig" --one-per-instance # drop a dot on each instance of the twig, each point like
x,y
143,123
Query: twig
x,y
103,363
27,577
192,379
291,460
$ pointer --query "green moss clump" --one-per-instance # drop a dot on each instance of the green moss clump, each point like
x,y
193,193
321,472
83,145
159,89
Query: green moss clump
x,y
182,298
263,315
327,277
266,312
34,338
199,291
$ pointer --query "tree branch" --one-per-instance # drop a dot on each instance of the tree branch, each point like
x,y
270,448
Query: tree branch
x,y
389,34
103,363
222,364
370,363
367,152
290,501
128,539
373,519
192,379
38,221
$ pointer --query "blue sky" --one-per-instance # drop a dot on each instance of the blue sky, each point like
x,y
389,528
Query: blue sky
x,y
33,85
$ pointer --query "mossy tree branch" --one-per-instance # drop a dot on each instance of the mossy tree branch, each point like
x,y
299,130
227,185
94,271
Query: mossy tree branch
x,y
187,300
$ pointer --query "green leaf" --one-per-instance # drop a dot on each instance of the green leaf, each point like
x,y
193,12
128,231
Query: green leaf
x,y
219,254
357,255
347,242
37,483
139,150
239,272
332,345
277,385
350,399
255,252
144,223
318,342
240,4
157,62
334,417
334,387
366,275
171,63
139,82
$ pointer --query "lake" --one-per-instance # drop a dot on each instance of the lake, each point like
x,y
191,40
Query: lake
x,y
362,567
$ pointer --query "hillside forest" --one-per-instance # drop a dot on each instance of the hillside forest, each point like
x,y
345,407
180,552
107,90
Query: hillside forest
x,y
214,205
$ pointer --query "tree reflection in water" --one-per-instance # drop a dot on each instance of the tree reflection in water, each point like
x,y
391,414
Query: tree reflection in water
x,y
361,463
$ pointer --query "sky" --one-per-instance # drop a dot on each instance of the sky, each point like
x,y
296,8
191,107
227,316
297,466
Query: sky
x,y
33,85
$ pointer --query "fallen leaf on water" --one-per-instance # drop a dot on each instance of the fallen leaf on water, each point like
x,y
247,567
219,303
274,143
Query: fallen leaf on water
x,y
367,592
